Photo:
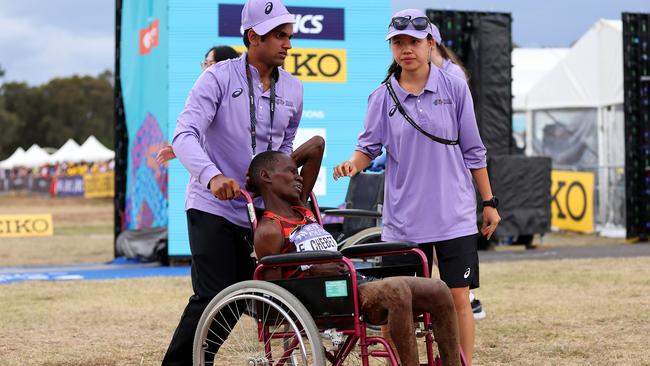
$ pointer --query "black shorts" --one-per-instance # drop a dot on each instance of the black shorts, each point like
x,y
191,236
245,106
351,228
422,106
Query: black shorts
x,y
457,260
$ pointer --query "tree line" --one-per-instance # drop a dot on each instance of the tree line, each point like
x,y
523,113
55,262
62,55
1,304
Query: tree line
x,y
49,114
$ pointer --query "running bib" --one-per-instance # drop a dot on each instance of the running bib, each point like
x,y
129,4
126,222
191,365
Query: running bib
x,y
312,237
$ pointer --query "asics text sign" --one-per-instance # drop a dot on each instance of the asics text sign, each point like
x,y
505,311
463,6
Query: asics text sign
x,y
311,23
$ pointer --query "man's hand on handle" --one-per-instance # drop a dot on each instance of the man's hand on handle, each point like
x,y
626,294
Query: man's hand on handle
x,y
224,188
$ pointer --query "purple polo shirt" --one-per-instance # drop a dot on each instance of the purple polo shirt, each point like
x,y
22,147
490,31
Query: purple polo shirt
x,y
451,68
213,132
429,194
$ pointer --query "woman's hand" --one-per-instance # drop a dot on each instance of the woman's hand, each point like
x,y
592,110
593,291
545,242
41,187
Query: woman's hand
x,y
165,154
491,220
345,169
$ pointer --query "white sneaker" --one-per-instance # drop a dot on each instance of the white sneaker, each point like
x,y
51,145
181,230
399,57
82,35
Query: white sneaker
x,y
477,309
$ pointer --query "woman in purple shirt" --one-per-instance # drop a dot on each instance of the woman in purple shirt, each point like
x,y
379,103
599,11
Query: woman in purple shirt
x,y
444,58
424,118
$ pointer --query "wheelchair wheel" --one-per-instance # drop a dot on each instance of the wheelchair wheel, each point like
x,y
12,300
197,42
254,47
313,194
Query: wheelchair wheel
x,y
257,323
365,236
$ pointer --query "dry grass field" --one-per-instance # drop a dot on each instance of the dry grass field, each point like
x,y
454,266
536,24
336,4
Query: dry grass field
x,y
565,312
83,232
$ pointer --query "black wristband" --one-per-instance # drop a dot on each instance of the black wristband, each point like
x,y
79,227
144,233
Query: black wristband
x,y
492,202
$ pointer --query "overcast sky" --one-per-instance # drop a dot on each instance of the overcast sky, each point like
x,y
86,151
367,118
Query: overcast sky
x,y
43,39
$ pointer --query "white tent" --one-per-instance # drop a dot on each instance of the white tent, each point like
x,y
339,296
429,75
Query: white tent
x,y
590,75
93,150
69,152
33,157
529,65
8,163
575,115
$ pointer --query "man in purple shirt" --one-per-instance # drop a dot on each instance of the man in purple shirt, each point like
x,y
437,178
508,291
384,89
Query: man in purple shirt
x,y
236,108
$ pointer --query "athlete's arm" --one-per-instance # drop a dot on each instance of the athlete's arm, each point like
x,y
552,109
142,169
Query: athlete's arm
x,y
309,156
268,241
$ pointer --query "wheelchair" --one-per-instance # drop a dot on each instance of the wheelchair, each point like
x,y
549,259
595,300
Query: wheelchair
x,y
307,321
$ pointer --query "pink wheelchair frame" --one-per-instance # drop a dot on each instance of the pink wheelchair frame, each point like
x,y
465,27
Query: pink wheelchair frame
x,y
352,327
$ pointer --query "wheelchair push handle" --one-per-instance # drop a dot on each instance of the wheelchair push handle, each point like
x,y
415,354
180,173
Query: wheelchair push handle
x,y
250,209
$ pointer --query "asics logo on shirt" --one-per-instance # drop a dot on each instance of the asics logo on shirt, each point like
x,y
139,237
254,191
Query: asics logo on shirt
x,y
441,101
268,8
237,92
392,111
467,273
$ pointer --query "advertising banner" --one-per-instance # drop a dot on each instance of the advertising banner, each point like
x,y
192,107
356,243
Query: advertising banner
x,y
99,185
12,226
143,72
70,186
572,201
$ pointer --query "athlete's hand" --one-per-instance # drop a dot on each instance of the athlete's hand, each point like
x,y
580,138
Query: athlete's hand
x,y
491,220
165,154
224,188
345,169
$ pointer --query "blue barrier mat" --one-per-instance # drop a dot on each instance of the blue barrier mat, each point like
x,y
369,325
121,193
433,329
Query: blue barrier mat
x,y
114,270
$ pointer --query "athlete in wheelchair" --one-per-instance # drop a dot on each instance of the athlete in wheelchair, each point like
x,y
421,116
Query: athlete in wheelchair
x,y
313,304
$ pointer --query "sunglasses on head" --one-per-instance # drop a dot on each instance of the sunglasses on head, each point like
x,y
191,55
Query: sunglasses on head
x,y
419,23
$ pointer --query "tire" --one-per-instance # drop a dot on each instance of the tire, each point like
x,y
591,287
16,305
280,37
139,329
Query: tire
x,y
252,302
365,236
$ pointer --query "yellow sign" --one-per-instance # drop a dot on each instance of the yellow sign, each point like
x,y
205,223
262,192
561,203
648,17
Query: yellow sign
x,y
323,65
99,185
26,225
572,201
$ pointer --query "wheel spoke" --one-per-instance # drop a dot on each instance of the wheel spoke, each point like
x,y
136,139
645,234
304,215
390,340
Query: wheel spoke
x,y
241,344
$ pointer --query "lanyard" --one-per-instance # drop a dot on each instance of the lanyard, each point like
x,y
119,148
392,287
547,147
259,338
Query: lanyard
x,y
408,118
251,98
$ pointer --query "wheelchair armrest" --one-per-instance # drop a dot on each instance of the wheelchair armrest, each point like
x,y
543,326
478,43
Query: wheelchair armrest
x,y
391,246
301,257
352,212
325,208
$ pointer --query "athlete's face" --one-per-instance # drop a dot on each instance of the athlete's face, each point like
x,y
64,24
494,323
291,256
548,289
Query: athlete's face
x,y
276,44
411,53
285,180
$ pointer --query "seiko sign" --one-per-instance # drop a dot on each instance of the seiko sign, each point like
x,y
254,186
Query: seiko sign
x,y
26,225
311,23
323,65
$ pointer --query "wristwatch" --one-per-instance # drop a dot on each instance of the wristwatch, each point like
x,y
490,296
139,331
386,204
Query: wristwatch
x,y
492,202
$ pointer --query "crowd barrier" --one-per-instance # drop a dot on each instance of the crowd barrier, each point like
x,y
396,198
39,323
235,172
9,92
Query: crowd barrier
x,y
90,185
